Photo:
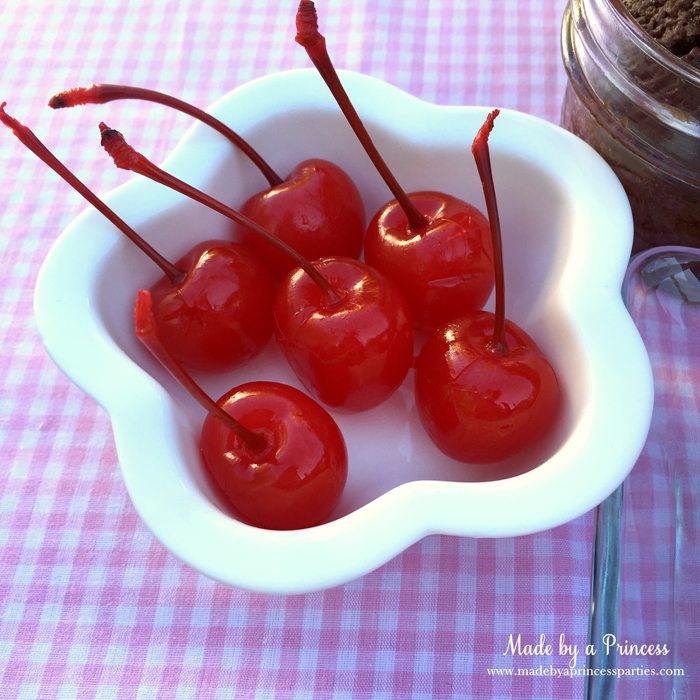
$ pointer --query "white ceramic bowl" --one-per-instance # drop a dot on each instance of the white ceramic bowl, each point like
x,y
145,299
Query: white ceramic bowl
x,y
568,234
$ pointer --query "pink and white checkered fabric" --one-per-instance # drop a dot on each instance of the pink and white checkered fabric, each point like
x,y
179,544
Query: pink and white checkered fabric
x,y
91,605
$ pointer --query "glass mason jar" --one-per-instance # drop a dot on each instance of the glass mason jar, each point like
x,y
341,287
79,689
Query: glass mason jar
x,y
638,105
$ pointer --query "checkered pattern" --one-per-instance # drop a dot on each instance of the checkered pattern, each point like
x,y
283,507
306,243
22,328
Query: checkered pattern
x,y
91,605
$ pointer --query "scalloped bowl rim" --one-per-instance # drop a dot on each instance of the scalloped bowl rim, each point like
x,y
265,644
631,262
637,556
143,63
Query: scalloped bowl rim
x,y
186,521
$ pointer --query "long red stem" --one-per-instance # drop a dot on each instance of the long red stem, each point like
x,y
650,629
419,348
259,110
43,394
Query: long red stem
x,y
482,157
30,140
104,92
315,44
147,332
127,158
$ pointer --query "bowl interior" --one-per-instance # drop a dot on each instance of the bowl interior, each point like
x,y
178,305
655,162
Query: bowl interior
x,y
567,237
387,446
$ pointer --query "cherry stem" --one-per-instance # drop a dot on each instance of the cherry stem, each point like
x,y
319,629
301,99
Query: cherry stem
x,y
104,92
482,157
30,140
147,332
315,44
127,158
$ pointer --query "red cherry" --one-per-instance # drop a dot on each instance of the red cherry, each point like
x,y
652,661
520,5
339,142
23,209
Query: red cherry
x,y
278,457
219,314
484,390
435,247
297,479
214,305
317,210
352,349
479,405
443,269
344,327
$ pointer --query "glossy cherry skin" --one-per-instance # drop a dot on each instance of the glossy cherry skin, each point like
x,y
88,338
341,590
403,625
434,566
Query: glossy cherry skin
x,y
220,313
478,405
317,210
297,479
443,270
350,352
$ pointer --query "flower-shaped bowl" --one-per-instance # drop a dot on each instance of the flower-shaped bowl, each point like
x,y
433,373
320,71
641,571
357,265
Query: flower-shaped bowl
x,y
567,238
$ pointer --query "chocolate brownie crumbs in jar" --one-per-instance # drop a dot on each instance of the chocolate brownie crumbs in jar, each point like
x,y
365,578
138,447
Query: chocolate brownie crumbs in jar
x,y
634,95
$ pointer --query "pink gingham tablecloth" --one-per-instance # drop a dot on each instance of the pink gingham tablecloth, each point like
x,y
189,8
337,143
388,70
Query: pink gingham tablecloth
x,y
91,604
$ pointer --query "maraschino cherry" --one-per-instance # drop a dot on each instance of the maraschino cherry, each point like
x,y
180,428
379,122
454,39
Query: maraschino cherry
x,y
344,327
214,306
435,246
484,389
316,209
351,349
276,455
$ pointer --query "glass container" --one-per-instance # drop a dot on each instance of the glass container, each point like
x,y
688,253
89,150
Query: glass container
x,y
645,602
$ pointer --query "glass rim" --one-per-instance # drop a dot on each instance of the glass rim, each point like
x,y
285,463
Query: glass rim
x,y
638,260
672,172
651,46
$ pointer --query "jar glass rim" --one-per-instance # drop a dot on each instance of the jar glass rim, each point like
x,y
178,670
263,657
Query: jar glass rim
x,y
599,108
652,47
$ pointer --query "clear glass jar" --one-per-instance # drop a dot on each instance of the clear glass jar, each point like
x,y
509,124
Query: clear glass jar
x,y
638,105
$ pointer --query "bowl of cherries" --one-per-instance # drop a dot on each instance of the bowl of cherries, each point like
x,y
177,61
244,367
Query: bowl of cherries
x,y
341,319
